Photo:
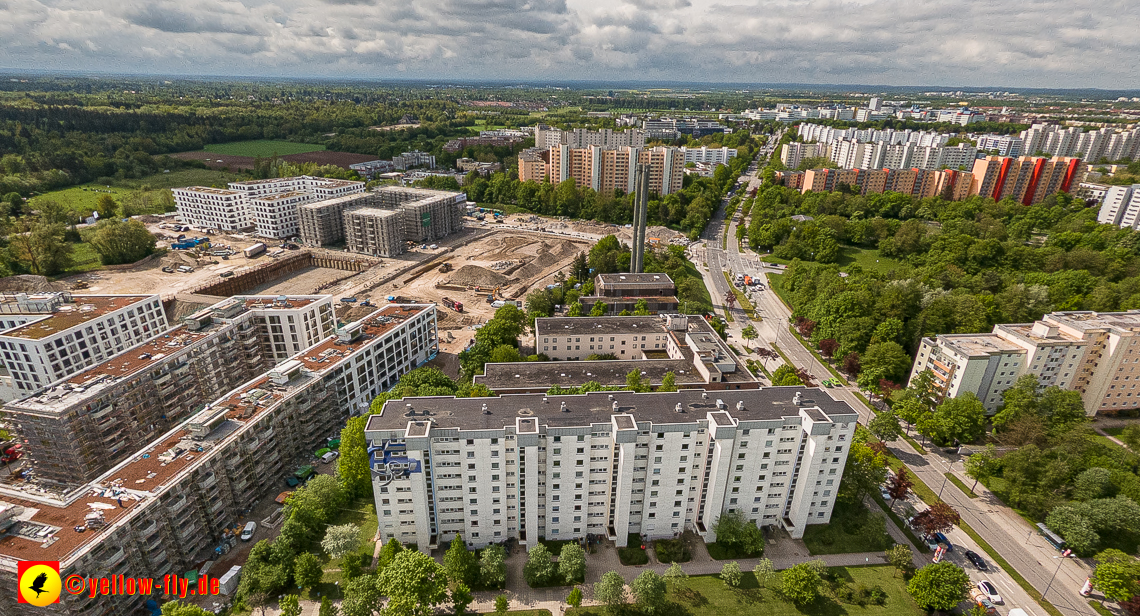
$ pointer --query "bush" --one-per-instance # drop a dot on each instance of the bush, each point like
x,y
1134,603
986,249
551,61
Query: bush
x,y
671,551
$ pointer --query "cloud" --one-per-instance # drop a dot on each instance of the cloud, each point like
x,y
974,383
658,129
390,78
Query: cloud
x,y
1045,43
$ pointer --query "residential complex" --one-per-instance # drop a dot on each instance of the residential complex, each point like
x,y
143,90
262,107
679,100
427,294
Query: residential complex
x,y
1120,205
948,183
383,221
498,141
546,137
47,337
708,156
655,464
1025,179
1102,143
415,158
373,231
164,508
609,169
268,207
852,154
1093,353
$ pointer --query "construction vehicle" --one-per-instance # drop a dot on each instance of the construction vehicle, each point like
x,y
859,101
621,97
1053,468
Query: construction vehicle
x,y
254,250
454,305
446,267
12,453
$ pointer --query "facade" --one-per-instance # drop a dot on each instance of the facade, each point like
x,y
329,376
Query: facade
x,y
51,336
1006,145
948,183
373,168
415,158
794,153
467,165
165,509
423,214
276,215
269,207
533,165
634,285
322,222
546,137
374,231
213,208
708,156
1084,351
533,467
613,169
1025,179
1120,206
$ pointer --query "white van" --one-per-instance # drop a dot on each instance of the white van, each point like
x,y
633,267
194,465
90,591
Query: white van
x,y
330,456
247,532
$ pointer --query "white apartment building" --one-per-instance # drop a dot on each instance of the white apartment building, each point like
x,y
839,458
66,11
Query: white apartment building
x,y
277,215
854,154
531,467
1089,352
415,158
212,208
59,334
286,324
546,137
254,203
1120,203
573,338
708,156
792,154
1006,145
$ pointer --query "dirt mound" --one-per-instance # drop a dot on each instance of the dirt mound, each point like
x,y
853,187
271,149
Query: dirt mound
x,y
479,276
566,249
28,283
177,259
537,265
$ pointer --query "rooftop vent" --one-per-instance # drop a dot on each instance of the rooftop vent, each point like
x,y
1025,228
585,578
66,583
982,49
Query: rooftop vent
x,y
485,410
797,398
704,395
740,405
615,406
720,404
679,408
564,409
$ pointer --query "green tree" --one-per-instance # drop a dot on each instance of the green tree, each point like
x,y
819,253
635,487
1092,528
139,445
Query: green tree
x,y
749,333
730,573
864,472
122,242
610,591
599,309
885,426
939,586
460,563
1092,483
675,574
327,608
501,604
633,382
461,597
572,563
900,558
539,568
786,375
574,599
352,564
575,310
1116,575
176,608
736,532
884,360
982,465
41,246
649,590
493,567
107,207
307,570
340,540
641,308
362,597
290,605
414,584
388,553
960,419
800,584
353,470
764,571
668,382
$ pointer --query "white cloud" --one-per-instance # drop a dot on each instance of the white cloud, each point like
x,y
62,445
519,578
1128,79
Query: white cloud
x,y
1045,43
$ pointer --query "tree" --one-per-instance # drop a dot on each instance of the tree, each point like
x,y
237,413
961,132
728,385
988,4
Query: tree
x,y
885,426
939,586
800,584
649,590
493,567
736,532
668,382
414,584
939,517
749,333
501,604
122,242
641,308
900,558
574,599
340,540
785,376
352,564
539,568
290,606
731,574
851,363
572,563
176,608
610,590
255,599
459,562
107,207
828,347
864,472
961,419
982,465
327,608
575,310
599,309
353,470
899,485
307,570
764,571
675,574
388,553
633,382
885,360
1075,528
42,246
1093,483
461,597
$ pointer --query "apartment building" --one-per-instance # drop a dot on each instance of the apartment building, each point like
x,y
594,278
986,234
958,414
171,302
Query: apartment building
x,y
269,207
277,216
792,154
213,208
1120,206
415,158
825,134
1092,353
546,137
496,141
370,169
164,509
606,169
533,165
322,222
1006,145
708,156
948,183
532,467
423,214
1025,179
56,335
373,231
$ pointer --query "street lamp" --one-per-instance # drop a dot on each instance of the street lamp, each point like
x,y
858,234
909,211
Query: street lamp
x,y
1058,569
945,478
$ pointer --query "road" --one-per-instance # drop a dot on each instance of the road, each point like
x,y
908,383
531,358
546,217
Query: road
x,y
997,524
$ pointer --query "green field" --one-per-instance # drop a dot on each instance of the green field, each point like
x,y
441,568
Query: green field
x,y
263,148
707,595
82,199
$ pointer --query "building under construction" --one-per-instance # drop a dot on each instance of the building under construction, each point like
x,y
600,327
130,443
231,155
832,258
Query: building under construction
x,y
373,231
424,215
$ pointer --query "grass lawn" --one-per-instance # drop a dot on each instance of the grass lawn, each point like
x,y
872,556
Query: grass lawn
x,y
82,198
263,148
361,512
707,595
853,528
777,283
720,552
961,486
1117,431
184,177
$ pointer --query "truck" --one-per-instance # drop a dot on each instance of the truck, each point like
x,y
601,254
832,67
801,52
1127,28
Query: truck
x,y
454,305
748,281
254,250
183,245
12,453
503,302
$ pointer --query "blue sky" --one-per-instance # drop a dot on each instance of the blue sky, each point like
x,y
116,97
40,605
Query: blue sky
x,y
1030,43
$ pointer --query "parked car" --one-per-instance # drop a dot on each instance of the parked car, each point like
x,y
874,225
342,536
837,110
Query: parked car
x,y
988,589
885,493
247,532
945,541
330,456
976,560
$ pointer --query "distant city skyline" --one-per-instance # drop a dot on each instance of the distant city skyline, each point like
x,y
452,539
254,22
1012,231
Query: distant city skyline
x,y
1049,44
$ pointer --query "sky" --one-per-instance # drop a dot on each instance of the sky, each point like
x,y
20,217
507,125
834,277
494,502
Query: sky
x,y
1027,43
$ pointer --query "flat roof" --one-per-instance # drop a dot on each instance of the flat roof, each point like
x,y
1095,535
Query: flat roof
x,y
373,211
283,195
82,309
767,403
979,345
212,191
1025,330
292,302
646,278
327,354
1084,320
576,326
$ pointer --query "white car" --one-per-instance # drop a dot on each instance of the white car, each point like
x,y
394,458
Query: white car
x,y
885,494
990,592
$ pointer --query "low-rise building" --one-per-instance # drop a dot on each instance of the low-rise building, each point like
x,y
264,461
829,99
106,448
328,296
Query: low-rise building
x,y
634,285
495,141
268,207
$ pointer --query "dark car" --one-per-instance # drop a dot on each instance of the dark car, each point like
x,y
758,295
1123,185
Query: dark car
x,y
976,560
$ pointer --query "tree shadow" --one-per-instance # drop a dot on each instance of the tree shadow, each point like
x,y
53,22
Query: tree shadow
x,y
692,596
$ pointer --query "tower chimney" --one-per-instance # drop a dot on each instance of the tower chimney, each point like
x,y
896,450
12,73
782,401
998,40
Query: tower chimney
x,y
640,216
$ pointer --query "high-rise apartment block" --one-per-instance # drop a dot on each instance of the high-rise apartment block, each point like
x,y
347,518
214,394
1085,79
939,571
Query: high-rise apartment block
x,y
532,467
708,156
1006,145
1092,353
373,231
1121,206
268,207
1103,143
166,506
607,169
1025,179
51,336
